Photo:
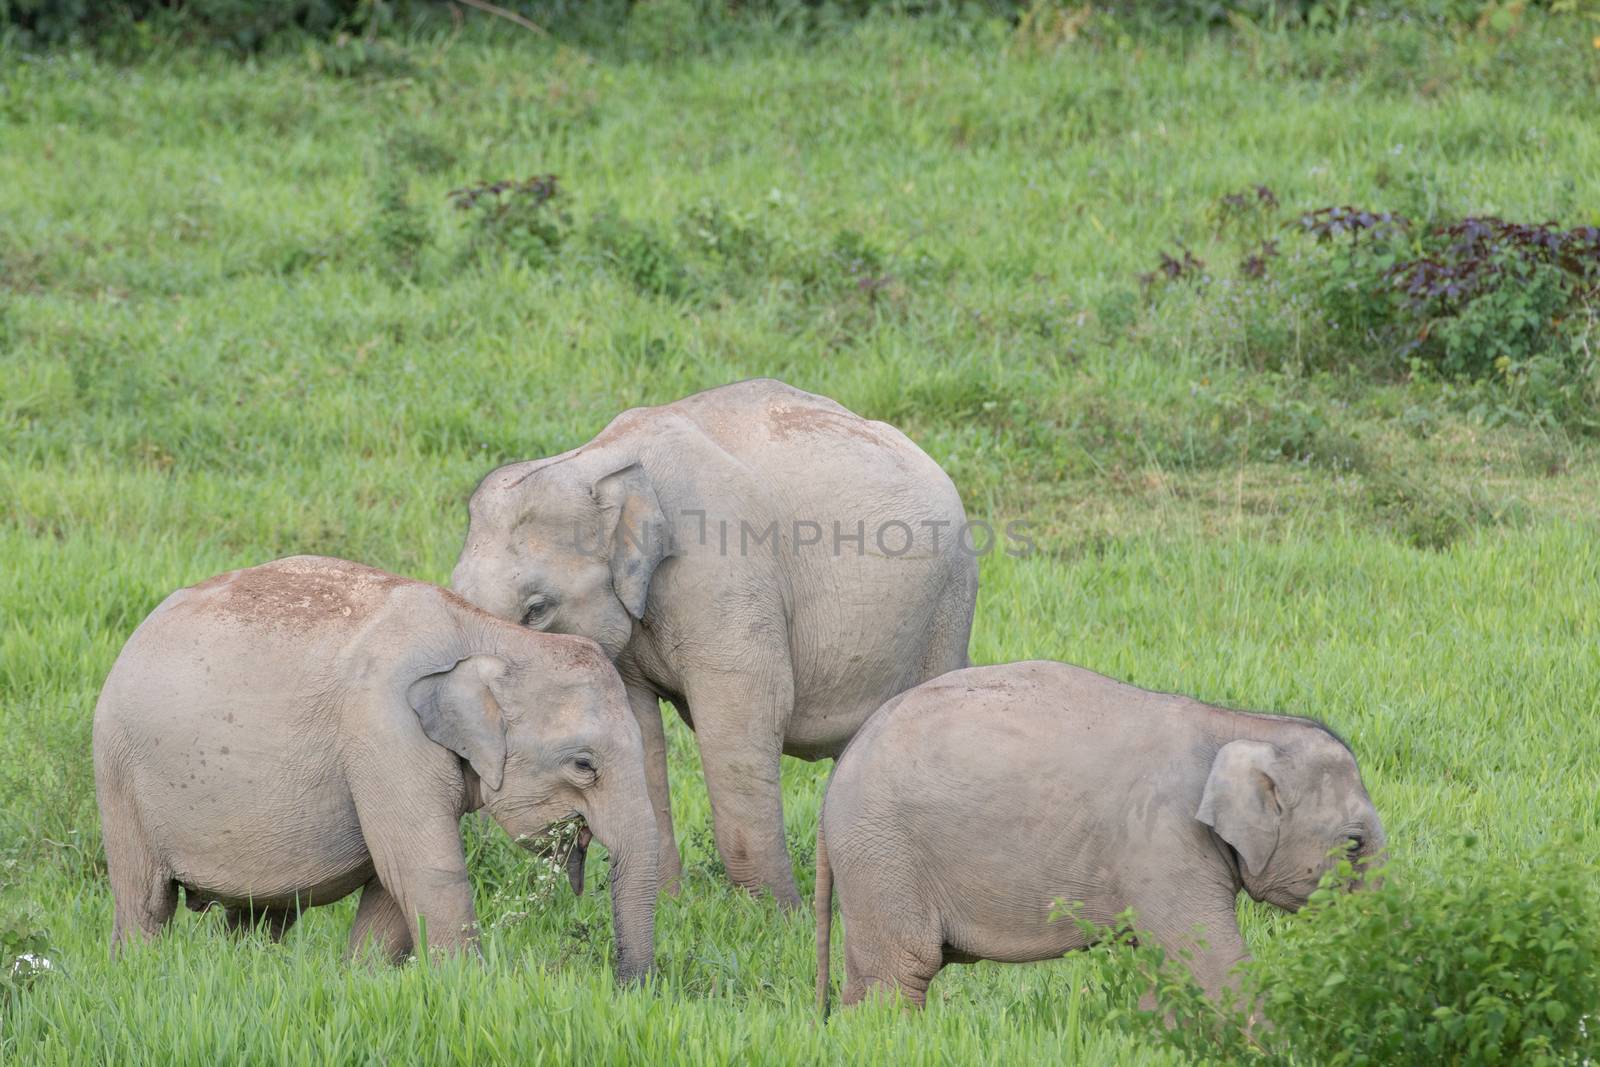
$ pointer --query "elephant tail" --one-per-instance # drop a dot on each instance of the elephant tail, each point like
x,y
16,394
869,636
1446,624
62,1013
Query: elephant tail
x,y
824,909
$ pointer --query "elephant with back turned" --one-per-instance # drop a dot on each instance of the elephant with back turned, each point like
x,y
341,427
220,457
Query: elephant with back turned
x,y
769,562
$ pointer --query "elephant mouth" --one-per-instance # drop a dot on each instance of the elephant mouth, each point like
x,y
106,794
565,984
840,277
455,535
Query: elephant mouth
x,y
563,844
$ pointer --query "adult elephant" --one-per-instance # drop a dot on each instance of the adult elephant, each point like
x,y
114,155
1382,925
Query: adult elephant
x,y
769,562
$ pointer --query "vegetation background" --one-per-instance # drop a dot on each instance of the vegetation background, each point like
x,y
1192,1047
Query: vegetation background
x,y
281,278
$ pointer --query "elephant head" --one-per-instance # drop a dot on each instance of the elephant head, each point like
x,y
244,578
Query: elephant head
x,y
1288,811
549,735
567,545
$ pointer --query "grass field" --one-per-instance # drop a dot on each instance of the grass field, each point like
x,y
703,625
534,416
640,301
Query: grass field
x,y
239,320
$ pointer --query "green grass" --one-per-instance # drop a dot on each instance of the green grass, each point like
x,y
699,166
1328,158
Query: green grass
x,y
211,356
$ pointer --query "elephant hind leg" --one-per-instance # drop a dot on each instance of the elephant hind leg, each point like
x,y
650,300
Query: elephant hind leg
x,y
882,962
143,890
381,924
950,628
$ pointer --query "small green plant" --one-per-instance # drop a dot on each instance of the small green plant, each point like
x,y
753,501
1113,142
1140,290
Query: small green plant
x,y
418,148
1252,212
398,226
665,30
1483,965
517,218
24,948
348,55
1183,267
733,241
638,252
856,254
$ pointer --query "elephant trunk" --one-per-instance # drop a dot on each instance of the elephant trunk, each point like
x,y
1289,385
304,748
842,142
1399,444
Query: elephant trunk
x,y
634,843
576,855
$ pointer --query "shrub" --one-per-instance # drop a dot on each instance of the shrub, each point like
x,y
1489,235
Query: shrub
x,y
419,149
1474,298
1484,965
348,55
733,241
517,218
399,227
639,253
671,29
23,948
1505,312
243,25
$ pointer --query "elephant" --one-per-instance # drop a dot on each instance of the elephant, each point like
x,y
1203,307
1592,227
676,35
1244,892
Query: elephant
x,y
767,561
275,738
968,806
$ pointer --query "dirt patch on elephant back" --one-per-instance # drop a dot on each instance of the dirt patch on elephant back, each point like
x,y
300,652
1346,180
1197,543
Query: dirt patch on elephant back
x,y
788,421
617,429
301,591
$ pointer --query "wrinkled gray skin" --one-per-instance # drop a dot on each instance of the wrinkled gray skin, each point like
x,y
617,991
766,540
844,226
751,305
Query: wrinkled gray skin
x,y
965,807
764,648
279,737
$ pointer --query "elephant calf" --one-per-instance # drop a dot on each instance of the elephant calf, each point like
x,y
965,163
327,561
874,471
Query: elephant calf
x,y
278,737
968,805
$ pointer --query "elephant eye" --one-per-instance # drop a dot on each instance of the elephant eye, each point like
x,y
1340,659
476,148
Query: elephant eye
x,y
1357,843
584,764
539,607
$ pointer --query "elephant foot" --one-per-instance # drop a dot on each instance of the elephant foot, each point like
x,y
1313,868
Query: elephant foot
x,y
786,896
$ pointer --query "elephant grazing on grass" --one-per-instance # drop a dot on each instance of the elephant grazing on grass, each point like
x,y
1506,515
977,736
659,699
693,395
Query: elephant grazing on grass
x,y
771,563
968,806
279,737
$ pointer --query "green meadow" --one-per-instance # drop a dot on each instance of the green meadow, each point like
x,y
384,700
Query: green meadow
x,y
241,318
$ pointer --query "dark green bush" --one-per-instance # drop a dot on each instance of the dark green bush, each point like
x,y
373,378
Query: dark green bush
x,y
733,242
24,945
242,24
398,226
522,219
668,29
1475,298
1484,965
1506,313
639,253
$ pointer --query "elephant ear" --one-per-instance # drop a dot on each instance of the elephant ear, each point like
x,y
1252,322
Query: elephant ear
x,y
1241,801
635,528
458,710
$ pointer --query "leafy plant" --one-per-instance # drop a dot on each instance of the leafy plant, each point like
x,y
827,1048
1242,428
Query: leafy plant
x,y
349,55
398,225
1474,298
1484,965
733,240
1185,266
23,953
518,218
417,147
639,252
1254,211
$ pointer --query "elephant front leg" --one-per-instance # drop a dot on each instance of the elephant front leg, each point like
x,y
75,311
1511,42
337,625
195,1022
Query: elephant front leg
x,y
420,863
740,722
1212,966
647,709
